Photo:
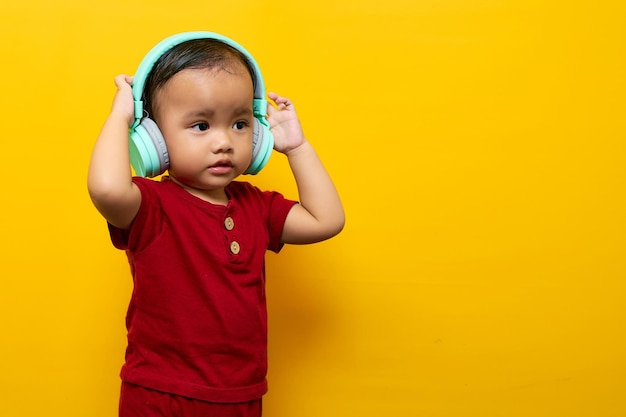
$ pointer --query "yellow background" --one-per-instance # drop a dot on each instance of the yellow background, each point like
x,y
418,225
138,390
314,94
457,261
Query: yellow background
x,y
479,150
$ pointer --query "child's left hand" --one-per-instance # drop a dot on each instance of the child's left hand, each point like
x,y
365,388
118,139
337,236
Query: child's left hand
x,y
284,124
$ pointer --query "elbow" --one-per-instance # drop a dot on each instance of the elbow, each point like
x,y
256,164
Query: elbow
x,y
333,228
340,224
106,193
101,190
302,228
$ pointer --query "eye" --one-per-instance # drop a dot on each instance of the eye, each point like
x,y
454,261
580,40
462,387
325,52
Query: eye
x,y
240,125
202,126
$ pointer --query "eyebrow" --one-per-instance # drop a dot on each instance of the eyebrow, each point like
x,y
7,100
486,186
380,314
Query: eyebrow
x,y
239,111
199,113
243,111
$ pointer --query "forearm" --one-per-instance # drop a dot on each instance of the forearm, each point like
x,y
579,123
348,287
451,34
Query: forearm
x,y
316,192
319,215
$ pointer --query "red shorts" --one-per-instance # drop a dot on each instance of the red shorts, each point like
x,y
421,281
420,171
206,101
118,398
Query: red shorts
x,y
137,401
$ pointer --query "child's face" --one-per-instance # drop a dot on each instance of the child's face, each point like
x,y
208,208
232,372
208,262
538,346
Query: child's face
x,y
206,119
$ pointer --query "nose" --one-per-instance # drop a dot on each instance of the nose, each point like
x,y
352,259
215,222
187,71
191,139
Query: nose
x,y
221,142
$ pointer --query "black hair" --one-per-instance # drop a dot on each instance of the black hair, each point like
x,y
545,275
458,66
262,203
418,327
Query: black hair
x,y
197,53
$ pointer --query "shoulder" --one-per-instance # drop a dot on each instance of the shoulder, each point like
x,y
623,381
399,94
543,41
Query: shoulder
x,y
271,206
161,186
145,184
243,187
242,191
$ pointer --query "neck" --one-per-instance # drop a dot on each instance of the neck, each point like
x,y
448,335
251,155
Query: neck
x,y
217,196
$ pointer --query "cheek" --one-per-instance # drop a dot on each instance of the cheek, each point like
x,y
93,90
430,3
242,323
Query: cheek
x,y
182,150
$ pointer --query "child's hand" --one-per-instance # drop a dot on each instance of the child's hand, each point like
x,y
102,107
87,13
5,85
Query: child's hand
x,y
284,124
123,101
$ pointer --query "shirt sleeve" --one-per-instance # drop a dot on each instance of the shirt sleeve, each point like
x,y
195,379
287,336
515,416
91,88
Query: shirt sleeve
x,y
127,239
279,208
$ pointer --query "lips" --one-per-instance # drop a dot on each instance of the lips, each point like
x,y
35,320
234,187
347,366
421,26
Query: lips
x,y
222,166
222,163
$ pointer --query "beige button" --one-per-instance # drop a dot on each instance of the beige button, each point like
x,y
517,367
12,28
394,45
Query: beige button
x,y
234,247
229,223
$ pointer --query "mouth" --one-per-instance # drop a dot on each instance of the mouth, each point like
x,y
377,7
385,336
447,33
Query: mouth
x,y
223,163
222,166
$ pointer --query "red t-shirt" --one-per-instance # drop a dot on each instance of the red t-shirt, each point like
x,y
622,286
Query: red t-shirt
x,y
197,319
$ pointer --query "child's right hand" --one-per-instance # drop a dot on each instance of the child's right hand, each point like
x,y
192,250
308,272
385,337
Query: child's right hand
x,y
123,103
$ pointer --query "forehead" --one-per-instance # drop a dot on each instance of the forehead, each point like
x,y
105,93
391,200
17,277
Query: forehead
x,y
208,88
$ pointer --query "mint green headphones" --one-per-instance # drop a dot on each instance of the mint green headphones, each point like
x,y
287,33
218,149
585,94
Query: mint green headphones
x,y
148,153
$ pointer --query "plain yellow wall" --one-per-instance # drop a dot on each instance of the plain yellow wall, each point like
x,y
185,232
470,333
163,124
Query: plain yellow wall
x,y
479,147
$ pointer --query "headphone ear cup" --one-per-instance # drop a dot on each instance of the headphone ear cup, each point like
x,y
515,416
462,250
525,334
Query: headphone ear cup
x,y
262,146
148,152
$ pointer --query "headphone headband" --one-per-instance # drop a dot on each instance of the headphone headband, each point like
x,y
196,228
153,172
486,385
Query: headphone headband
x,y
148,62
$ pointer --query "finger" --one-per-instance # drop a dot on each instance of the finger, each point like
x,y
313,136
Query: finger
x,y
120,81
286,104
282,103
278,99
